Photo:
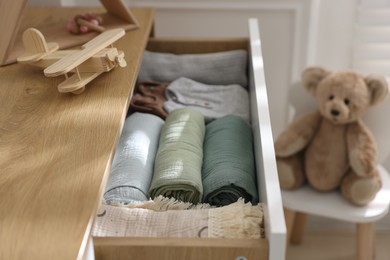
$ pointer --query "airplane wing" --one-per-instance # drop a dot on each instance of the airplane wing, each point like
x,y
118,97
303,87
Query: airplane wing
x,y
74,83
89,49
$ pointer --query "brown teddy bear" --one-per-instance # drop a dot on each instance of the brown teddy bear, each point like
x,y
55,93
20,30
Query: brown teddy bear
x,y
332,148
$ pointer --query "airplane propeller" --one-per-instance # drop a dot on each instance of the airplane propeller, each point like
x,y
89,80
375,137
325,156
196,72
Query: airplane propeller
x,y
118,59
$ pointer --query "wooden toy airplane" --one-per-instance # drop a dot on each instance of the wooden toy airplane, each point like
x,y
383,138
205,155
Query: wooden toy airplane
x,y
94,58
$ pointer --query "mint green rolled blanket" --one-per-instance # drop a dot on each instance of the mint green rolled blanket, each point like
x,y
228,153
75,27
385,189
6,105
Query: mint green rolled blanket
x,y
178,163
228,171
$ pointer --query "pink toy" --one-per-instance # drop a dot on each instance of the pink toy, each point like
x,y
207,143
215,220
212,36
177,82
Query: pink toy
x,y
85,23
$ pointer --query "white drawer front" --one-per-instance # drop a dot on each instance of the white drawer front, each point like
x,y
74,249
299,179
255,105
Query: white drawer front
x,y
268,182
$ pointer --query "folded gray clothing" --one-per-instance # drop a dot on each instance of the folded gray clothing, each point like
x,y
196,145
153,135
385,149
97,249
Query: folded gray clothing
x,y
212,101
218,68
132,167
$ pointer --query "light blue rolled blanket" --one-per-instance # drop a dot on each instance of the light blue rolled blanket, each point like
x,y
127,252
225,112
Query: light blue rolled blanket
x,y
178,163
132,166
228,170
217,68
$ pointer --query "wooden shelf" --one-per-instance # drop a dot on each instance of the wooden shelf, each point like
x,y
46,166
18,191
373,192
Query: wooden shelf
x,y
12,25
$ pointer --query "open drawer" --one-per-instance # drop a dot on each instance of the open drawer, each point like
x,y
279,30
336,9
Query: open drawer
x,y
272,247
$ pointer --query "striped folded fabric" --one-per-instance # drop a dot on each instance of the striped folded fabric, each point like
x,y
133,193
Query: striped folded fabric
x,y
228,171
132,167
178,163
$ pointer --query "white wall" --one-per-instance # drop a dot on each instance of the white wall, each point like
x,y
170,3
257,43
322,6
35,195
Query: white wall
x,y
335,33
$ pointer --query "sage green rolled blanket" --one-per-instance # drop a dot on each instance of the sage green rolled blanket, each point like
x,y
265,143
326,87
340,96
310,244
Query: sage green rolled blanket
x,y
228,170
178,163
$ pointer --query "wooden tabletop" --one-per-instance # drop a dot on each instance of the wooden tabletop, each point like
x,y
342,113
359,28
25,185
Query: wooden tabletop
x,y
56,149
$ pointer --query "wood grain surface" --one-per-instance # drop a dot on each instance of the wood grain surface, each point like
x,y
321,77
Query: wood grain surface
x,y
167,248
56,149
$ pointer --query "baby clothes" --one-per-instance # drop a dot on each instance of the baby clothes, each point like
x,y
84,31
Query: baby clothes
x,y
178,163
213,101
228,169
218,68
132,167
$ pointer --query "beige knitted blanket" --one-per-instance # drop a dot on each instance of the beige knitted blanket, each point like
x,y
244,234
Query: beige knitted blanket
x,y
164,217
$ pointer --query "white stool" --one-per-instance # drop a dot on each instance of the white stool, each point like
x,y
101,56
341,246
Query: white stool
x,y
298,203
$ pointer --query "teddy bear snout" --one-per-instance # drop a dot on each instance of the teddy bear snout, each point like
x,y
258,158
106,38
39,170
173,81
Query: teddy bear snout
x,y
335,112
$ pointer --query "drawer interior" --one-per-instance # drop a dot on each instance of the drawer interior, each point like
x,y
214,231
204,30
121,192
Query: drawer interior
x,y
197,45
186,248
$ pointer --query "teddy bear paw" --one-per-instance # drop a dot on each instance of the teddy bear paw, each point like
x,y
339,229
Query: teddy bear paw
x,y
288,175
362,191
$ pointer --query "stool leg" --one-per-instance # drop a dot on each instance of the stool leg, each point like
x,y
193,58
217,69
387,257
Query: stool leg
x,y
298,228
289,215
365,241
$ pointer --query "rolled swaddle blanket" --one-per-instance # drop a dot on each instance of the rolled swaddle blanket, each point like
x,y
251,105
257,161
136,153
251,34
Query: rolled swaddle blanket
x,y
217,68
132,166
228,170
178,163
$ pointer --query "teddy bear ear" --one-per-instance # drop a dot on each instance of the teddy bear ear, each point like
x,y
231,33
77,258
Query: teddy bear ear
x,y
378,87
312,76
